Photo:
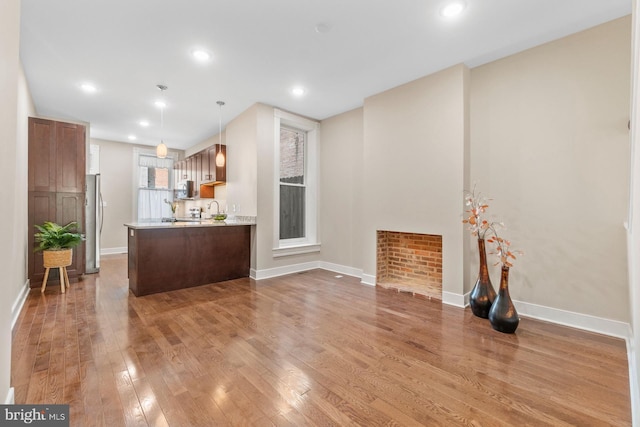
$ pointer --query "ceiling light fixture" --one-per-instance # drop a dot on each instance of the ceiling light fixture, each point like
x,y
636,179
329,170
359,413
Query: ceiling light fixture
x,y
220,160
200,55
298,91
143,123
453,9
88,88
161,149
132,137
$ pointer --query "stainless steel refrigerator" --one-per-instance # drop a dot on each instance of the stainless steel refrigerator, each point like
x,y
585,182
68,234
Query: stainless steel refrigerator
x,y
93,226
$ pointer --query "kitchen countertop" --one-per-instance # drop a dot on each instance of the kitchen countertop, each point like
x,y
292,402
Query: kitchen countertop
x,y
193,223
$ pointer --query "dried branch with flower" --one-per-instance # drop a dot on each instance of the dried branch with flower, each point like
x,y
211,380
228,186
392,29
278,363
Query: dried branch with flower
x,y
477,206
502,249
173,205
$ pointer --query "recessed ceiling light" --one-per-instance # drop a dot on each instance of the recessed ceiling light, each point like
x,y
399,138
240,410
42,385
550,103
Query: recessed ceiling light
x,y
160,104
298,91
201,55
143,123
453,9
323,28
132,137
88,88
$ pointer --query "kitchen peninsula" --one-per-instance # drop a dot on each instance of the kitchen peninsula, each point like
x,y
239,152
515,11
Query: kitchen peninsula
x,y
176,255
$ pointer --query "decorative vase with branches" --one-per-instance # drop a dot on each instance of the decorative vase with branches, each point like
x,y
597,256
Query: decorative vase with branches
x,y
482,295
503,315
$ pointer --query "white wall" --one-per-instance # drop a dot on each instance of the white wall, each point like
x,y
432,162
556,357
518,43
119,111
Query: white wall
x,y
341,184
414,166
634,222
26,109
550,144
12,167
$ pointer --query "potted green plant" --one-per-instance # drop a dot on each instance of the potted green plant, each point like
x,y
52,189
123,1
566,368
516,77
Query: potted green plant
x,y
56,242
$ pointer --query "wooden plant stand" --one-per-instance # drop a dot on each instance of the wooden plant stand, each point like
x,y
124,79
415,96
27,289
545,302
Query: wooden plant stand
x,y
57,259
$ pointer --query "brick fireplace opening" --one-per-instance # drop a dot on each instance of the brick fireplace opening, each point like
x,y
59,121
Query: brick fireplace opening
x,y
410,262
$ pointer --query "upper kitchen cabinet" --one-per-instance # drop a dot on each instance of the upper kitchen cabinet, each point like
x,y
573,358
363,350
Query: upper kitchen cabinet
x,y
213,173
56,156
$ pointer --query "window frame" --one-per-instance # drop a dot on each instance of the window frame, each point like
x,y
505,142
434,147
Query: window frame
x,y
309,243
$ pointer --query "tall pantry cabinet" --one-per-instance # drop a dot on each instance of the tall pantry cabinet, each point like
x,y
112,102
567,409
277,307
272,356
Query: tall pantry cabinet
x,y
56,186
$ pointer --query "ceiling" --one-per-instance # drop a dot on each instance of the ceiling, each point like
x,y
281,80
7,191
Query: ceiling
x,y
340,51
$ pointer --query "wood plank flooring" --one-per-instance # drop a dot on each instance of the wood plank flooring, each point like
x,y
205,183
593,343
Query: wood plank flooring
x,y
303,350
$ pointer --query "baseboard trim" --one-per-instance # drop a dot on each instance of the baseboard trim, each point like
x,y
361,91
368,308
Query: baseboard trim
x,y
11,397
113,251
342,269
454,299
368,279
282,271
16,308
585,322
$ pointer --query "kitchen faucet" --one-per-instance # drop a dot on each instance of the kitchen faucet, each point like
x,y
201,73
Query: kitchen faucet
x,y
217,204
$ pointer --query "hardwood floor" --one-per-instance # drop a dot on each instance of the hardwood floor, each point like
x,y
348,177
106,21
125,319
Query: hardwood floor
x,y
305,349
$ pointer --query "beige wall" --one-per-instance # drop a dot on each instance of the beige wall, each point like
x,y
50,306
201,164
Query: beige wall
x,y
26,109
414,166
116,173
549,142
341,184
11,168
634,224
242,157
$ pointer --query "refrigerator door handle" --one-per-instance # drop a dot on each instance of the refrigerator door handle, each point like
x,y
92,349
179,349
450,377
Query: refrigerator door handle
x,y
101,212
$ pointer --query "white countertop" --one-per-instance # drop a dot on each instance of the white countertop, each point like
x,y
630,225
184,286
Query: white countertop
x,y
194,223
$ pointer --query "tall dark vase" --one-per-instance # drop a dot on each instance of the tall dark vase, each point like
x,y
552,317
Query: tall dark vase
x,y
482,294
503,315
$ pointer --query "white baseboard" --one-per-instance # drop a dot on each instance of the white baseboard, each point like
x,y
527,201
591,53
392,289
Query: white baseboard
x,y
368,279
281,271
342,269
11,398
454,299
16,308
585,322
113,251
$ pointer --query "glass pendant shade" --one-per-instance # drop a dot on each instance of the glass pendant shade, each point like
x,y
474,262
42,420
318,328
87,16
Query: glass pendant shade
x,y
220,158
161,150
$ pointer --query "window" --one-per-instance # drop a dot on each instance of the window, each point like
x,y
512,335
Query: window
x,y
292,183
296,163
154,186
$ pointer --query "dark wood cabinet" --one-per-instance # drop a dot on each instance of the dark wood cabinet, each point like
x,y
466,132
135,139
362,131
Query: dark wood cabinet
x,y
56,186
42,152
169,258
202,170
188,165
215,173
70,158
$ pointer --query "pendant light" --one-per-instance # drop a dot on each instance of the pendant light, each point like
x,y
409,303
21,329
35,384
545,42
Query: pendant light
x,y
220,160
161,149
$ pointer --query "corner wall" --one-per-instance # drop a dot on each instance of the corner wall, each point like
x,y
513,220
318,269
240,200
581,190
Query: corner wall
x,y
550,145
